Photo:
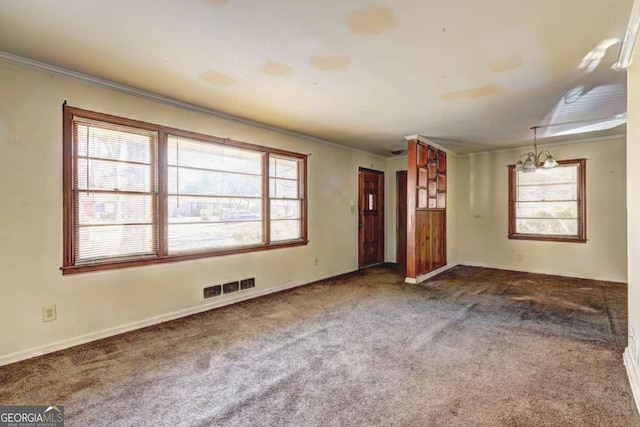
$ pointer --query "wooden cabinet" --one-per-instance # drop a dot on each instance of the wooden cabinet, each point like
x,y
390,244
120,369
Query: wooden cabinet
x,y
426,208
431,165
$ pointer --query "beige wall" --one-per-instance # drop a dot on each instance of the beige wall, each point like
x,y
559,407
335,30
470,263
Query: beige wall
x,y
482,215
91,305
394,164
632,354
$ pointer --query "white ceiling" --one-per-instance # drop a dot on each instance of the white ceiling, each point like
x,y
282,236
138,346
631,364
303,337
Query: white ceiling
x,y
472,75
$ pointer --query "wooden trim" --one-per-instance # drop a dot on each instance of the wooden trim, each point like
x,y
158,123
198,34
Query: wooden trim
x,y
175,131
160,165
582,201
382,192
67,187
547,238
162,197
412,196
581,237
266,199
512,197
305,235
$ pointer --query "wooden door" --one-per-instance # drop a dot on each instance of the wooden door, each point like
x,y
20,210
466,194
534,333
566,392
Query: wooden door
x,y
401,218
370,217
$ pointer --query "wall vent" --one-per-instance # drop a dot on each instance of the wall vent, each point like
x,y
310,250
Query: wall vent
x,y
212,291
231,287
248,283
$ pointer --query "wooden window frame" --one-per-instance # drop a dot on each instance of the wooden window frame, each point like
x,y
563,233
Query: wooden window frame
x,y
581,237
69,265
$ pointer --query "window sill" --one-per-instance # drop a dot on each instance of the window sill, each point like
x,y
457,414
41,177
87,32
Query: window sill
x,y
136,262
548,238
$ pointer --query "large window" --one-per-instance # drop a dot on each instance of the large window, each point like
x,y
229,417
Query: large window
x,y
548,204
138,193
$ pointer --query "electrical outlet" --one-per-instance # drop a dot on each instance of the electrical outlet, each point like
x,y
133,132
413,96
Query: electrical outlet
x,y
49,313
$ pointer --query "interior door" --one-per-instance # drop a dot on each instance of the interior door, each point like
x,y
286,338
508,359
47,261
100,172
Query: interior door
x,y
401,218
370,217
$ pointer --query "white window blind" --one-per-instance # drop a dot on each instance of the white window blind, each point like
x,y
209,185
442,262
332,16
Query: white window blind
x,y
115,191
547,201
215,196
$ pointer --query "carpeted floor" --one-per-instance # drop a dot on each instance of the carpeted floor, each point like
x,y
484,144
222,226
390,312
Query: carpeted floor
x,y
471,347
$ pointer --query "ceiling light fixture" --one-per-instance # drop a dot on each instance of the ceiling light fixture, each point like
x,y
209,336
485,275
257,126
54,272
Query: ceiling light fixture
x,y
532,159
629,38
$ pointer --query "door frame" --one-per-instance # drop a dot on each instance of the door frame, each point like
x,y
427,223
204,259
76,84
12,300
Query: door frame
x,y
360,216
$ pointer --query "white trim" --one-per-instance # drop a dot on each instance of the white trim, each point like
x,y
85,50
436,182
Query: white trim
x,y
632,373
156,97
105,333
539,271
430,274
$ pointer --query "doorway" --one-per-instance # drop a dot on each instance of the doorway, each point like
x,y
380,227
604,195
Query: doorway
x,y
370,217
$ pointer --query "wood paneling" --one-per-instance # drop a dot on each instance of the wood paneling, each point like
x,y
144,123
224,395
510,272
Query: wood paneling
x,y
426,209
430,237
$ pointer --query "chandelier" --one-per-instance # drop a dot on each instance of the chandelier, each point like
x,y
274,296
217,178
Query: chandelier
x,y
533,159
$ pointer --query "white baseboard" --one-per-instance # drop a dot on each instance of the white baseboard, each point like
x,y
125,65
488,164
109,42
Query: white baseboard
x,y
537,271
633,372
105,333
430,274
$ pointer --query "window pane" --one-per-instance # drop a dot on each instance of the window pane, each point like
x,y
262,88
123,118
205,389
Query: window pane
x,y
548,192
206,155
283,168
558,175
113,208
115,142
114,159
110,175
285,209
209,236
283,189
567,227
199,182
198,209
285,230
547,209
95,242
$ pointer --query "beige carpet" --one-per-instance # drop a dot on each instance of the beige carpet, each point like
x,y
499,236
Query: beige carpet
x,y
474,347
